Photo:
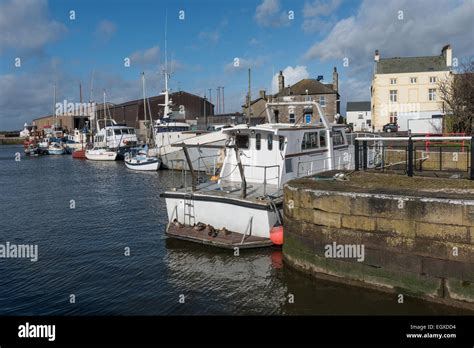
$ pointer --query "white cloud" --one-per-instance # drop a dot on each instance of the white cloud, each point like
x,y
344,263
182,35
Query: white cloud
x,y
148,56
320,8
25,25
105,29
268,14
424,30
210,36
292,75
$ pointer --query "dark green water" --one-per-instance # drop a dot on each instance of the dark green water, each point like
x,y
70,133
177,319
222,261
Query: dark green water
x,y
81,252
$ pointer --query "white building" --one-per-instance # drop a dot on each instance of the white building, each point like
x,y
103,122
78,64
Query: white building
x,y
359,115
405,91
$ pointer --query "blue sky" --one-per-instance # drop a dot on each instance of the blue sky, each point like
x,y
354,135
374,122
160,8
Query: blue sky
x,y
202,47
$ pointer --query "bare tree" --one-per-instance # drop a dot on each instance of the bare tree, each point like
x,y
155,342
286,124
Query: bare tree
x,y
457,97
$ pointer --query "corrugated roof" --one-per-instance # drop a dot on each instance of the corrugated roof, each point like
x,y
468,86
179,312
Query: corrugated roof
x,y
312,85
411,64
358,106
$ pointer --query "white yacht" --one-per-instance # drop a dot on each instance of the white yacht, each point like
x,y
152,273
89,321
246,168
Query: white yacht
x,y
242,208
115,137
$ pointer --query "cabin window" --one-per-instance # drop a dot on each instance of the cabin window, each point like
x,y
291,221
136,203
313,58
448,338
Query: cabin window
x,y
270,142
292,118
258,141
117,131
109,132
288,165
322,138
242,141
310,141
337,138
281,141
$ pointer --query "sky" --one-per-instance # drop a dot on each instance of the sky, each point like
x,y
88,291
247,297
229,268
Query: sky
x,y
43,43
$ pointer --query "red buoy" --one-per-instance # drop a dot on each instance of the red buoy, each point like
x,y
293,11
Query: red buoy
x,y
276,235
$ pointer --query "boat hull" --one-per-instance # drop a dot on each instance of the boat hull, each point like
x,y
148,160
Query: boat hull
x,y
144,165
106,156
248,217
56,151
81,154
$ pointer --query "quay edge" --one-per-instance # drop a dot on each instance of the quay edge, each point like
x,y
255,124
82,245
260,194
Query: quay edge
x,y
418,241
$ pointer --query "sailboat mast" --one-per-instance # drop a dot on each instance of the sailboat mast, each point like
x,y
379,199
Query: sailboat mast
x,y
144,107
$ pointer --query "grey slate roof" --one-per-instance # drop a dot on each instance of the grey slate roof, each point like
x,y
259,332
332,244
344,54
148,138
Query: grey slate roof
x,y
312,85
358,106
411,64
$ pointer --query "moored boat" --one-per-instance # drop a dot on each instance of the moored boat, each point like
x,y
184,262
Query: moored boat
x,y
259,160
101,154
56,149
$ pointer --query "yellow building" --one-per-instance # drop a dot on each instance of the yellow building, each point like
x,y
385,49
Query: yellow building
x,y
405,91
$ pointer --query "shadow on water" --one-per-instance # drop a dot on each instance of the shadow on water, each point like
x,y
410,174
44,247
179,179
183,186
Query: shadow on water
x,y
82,253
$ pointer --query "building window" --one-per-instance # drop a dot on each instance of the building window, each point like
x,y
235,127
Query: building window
x,y
307,98
276,114
270,142
258,141
361,116
393,117
322,100
292,118
322,138
432,79
393,81
412,79
432,94
310,141
393,96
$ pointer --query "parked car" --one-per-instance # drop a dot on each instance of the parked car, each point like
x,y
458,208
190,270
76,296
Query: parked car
x,y
391,127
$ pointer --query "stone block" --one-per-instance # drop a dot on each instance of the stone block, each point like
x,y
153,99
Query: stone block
x,y
404,228
358,223
447,233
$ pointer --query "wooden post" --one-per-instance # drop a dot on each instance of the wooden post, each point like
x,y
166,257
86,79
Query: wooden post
x,y
243,190
190,165
364,155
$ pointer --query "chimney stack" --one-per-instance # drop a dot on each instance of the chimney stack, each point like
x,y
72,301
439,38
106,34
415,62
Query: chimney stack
x,y
281,82
448,55
377,56
262,94
335,80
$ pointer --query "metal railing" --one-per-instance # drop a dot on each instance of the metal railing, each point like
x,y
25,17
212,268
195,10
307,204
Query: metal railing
x,y
411,155
265,179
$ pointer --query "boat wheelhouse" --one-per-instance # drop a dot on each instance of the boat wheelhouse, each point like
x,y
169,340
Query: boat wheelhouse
x,y
243,206
114,136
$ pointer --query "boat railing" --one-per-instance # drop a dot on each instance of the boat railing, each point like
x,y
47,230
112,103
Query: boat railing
x,y
343,161
265,178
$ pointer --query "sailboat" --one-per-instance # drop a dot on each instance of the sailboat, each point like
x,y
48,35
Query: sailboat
x,y
142,161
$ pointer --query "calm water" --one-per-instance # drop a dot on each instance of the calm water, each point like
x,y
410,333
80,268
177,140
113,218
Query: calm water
x,y
81,252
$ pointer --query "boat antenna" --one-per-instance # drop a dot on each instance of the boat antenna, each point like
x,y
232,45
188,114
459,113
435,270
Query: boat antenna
x,y
144,107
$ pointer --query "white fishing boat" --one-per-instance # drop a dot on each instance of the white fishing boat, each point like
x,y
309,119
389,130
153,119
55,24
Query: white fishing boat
x,y
141,160
101,154
243,208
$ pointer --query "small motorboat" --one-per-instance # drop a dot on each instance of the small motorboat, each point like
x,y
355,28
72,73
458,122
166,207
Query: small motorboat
x,y
56,149
101,154
142,162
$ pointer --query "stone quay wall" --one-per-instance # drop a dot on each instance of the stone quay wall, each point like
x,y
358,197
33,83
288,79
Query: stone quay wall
x,y
413,245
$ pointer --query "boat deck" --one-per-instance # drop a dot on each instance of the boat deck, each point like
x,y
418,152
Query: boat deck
x,y
220,238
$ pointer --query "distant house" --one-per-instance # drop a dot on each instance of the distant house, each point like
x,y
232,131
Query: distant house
x,y
326,94
405,91
358,114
